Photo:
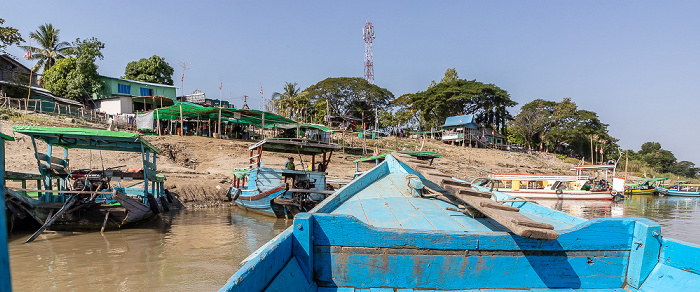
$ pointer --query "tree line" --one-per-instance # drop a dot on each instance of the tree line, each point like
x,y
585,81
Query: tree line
x,y
68,69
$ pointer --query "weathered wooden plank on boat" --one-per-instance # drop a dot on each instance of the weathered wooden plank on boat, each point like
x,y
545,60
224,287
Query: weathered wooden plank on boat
x,y
507,216
326,192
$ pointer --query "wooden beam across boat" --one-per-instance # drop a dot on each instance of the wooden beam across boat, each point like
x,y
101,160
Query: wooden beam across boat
x,y
508,216
60,191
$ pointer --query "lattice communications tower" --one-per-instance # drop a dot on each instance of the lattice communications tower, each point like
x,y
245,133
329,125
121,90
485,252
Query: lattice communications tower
x,y
368,36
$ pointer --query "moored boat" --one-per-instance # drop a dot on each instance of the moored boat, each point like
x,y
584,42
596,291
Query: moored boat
x,y
376,159
283,192
578,186
404,226
681,188
646,186
88,199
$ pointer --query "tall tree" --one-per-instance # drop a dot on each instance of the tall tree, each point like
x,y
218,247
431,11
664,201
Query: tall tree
x,y
8,36
285,103
50,47
487,102
347,96
154,70
72,77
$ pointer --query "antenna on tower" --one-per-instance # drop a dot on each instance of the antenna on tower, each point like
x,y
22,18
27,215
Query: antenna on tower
x,y
368,36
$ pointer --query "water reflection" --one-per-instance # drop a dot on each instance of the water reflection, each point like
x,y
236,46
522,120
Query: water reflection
x,y
184,251
678,216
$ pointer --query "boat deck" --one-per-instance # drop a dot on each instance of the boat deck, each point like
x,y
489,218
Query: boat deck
x,y
388,203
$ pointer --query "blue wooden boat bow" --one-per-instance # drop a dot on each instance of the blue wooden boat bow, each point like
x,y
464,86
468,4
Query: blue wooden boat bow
x,y
378,234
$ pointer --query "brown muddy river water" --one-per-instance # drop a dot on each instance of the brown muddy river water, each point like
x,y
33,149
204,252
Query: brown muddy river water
x,y
199,249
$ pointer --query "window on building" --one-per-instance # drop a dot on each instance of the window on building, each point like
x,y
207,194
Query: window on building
x,y
146,92
123,88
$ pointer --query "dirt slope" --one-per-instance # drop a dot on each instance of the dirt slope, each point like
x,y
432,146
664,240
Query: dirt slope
x,y
198,168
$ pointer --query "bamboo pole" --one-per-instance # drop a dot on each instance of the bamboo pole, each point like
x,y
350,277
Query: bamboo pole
x,y
627,159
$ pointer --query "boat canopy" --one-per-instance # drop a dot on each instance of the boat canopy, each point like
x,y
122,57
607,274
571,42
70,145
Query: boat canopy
x,y
88,138
651,179
593,167
294,146
6,137
419,154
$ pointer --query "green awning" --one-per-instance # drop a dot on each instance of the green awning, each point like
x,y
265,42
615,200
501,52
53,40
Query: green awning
x,y
6,137
88,138
651,179
191,111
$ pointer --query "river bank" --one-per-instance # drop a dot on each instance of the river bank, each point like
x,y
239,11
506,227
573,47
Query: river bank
x,y
199,169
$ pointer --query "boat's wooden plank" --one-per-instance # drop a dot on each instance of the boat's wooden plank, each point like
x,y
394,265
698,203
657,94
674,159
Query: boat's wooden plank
x,y
466,222
377,211
352,207
436,215
407,215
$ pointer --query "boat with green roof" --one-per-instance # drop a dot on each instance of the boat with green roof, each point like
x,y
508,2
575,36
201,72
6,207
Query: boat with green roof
x,y
89,199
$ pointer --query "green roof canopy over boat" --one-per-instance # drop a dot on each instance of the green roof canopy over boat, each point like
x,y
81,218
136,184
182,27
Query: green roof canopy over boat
x,y
651,179
88,138
420,154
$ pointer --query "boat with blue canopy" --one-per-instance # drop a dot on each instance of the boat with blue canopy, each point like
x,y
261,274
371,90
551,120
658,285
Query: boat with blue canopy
x,y
405,226
283,192
89,199
680,188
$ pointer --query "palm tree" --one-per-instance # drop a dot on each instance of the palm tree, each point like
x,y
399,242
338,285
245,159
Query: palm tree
x,y
284,102
50,48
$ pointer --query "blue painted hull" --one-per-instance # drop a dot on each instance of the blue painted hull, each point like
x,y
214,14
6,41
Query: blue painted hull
x,y
262,205
373,235
670,192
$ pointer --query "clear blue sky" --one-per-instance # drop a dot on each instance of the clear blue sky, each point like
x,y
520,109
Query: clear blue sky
x,y
635,63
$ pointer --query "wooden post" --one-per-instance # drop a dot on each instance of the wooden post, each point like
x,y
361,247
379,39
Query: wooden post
x,y
198,118
262,131
626,161
592,151
219,127
181,125
158,121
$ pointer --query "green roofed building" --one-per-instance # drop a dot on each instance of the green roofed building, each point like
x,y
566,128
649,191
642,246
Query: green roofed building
x,y
122,96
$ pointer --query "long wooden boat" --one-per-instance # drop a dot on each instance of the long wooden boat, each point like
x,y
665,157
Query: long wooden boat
x,y
87,199
680,189
646,186
404,226
578,186
282,192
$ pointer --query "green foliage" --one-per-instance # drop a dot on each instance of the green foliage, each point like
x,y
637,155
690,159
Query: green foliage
x,y
50,49
450,75
154,70
286,103
71,75
487,102
345,96
9,36
553,123
653,160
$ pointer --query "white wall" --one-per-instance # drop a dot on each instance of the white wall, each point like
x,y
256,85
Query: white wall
x,y
114,106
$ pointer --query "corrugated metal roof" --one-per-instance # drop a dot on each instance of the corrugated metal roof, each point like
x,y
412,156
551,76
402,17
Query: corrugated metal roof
x,y
465,121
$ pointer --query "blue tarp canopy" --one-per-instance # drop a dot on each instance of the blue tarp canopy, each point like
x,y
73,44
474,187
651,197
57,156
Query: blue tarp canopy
x,y
466,121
